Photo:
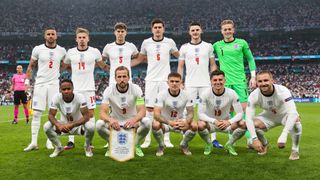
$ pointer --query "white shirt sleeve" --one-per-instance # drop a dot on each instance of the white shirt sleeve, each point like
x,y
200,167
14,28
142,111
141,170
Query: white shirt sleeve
x,y
82,100
237,108
182,55
143,48
134,50
202,110
211,55
106,95
97,55
67,59
105,52
250,112
173,46
35,53
54,102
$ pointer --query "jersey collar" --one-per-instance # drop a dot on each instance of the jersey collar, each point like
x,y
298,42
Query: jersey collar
x,y
122,92
172,94
270,94
230,41
158,40
82,50
224,90
50,47
195,43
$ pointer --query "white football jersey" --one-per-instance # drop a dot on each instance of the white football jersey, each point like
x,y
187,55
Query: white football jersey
x,y
82,66
279,103
49,60
158,55
123,105
172,107
119,55
218,106
197,61
69,111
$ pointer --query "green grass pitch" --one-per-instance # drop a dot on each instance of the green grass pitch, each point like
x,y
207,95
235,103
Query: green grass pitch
x,y
72,164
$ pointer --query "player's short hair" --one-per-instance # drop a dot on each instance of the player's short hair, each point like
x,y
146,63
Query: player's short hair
x,y
49,28
66,80
227,21
194,23
120,25
157,20
174,74
120,68
216,73
265,72
82,30
20,66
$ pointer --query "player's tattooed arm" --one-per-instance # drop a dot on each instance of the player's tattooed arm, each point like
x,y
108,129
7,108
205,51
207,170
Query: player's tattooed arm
x,y
158,117
139,59
32,65
52,117
189,117
103,65
85,117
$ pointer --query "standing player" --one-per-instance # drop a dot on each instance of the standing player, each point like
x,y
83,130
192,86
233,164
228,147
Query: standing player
x,y
74,118
127,104
82,60
278,109
231,52
47,57
198,58
20,96
157,51
168,111
214,112
120,52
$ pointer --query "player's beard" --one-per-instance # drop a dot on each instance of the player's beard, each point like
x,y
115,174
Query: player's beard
x,y
123,86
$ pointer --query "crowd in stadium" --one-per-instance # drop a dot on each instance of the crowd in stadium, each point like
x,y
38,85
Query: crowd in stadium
x,y
100,16
298,77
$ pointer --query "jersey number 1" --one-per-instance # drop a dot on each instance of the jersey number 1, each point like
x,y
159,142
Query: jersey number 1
x,y
82,65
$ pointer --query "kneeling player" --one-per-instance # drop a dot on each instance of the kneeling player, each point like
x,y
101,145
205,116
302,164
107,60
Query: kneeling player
x,y
74,118
127,104
278,109
168,114
214,113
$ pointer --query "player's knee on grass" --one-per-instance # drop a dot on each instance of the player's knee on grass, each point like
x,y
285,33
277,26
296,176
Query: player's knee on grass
x,y
100,124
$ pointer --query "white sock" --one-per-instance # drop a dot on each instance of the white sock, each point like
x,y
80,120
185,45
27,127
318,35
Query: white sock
x,y
261,137
158,135
143,129
89,131
102,129
188,136
237,134
167,136
71,138
205,136
35,126
213,136
296,136
149,115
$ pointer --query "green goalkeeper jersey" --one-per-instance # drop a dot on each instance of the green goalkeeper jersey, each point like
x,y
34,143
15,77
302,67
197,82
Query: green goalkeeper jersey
x,y
231,59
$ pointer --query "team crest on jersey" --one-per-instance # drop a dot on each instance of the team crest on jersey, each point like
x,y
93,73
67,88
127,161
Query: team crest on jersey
x,y
175,104
51,54
218,102
270,103
122,138
120,50
236,46
68,109
81,56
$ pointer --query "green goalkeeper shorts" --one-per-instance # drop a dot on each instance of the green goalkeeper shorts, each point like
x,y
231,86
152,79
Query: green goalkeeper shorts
x,y
241,90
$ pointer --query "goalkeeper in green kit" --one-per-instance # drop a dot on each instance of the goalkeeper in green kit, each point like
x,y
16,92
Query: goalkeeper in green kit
x,y
231,53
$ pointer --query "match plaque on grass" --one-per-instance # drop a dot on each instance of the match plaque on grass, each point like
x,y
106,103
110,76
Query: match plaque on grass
x,y
122,144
